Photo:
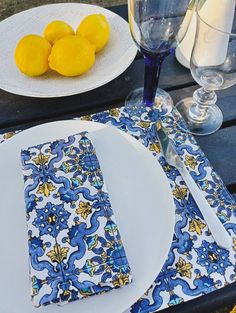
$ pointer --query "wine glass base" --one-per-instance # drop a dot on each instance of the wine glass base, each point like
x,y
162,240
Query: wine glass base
x,y
135,106
209,125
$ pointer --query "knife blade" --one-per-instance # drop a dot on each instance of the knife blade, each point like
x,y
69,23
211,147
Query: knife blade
x,y
217,229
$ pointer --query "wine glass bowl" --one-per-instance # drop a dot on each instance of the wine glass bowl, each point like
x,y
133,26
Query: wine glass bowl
x,y
211,71
213,67
155,24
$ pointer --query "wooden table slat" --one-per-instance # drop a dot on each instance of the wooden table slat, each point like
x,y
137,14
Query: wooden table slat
x,y
18,109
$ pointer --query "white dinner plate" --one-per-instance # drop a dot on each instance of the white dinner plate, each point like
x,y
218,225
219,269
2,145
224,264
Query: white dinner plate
x,y
110,62
141,199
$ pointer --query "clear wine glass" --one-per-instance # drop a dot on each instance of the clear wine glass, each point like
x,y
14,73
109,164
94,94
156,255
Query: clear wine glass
x,y
213,66
157,27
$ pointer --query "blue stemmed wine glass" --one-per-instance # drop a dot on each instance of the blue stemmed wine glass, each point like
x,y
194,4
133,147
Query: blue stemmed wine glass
x,y
157,27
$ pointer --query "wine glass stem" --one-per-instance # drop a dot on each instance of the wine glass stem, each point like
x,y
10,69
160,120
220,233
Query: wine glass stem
x,y
202,100
151,78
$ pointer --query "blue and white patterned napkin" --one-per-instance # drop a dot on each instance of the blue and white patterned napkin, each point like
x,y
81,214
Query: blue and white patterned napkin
x,y
75,248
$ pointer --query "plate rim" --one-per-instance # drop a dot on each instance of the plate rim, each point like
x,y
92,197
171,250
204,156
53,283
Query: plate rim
x,y
125,60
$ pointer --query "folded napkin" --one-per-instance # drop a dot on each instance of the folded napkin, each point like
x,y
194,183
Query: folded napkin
x,y
75,249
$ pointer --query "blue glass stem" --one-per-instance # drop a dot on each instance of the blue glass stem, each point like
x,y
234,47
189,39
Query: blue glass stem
x,y
151,78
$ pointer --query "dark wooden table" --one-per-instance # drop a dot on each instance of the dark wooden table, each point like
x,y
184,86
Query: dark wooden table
x,y
19,112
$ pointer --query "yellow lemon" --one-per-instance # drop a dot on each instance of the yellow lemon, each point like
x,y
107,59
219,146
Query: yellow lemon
x,y
96,29
72,56
31,55
57,30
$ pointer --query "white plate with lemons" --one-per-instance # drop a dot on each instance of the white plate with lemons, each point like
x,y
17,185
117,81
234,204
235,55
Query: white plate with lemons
x,y
110,62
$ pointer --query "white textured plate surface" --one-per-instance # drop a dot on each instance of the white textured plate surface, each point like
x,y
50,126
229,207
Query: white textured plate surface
x,y
110,62
141,199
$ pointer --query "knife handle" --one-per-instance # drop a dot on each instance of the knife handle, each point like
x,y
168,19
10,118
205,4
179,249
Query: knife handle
x,y
217,229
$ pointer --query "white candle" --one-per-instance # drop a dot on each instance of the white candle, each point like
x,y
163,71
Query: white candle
x,y
183,52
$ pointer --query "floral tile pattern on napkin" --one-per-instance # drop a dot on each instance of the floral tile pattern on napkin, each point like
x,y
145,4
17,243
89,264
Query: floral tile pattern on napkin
x,y
74,244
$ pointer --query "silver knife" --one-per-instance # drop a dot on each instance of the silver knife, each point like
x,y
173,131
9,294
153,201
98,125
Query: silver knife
x,y
219,233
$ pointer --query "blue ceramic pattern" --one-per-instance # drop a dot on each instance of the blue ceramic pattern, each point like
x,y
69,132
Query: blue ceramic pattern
x,y
195,264
74,244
